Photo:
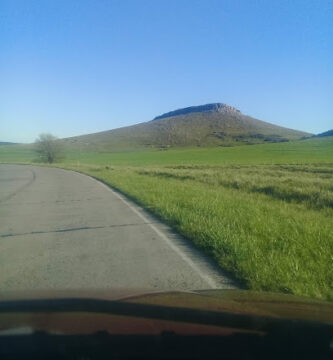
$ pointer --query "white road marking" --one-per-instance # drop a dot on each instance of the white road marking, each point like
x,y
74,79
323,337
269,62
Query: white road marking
x,y
189,262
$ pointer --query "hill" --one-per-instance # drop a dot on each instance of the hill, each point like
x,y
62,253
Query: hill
x,y
4,143
206,125
326,133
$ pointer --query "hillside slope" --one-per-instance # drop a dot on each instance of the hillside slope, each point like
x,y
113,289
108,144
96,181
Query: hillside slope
x,y
326,133
6,143
206,125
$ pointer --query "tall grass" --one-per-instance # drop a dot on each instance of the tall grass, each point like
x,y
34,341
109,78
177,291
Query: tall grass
x,y
269,226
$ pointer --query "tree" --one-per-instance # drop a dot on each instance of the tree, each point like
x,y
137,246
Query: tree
x,y
48,148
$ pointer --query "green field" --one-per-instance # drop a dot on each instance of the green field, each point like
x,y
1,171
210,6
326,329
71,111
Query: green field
x,y
314,151
263,212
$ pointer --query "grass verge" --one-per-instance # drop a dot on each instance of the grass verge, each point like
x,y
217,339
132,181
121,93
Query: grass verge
x,y
279,239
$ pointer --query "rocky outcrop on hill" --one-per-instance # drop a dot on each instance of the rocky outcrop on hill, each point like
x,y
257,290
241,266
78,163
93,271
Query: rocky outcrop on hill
x,y
215,107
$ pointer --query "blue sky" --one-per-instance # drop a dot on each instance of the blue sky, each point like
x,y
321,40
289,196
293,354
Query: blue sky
x,y
72,67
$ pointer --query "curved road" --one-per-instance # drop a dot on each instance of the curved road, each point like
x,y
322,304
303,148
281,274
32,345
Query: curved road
x,y
64,230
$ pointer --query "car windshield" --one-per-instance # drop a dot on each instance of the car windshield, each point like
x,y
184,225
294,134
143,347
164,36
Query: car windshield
x,y
151,146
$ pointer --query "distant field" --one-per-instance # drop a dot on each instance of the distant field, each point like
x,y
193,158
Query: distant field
x,y
318,150
263,212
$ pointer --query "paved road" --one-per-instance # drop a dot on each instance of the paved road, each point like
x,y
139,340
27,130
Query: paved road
x,y
63,230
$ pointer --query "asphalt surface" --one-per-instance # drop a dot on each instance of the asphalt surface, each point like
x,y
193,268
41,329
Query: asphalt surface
x,y
63,230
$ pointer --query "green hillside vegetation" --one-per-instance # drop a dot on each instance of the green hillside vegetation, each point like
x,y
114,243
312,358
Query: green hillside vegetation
x,y
263,212
222,127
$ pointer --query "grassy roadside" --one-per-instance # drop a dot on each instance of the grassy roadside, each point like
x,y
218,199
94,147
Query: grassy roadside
x,y
270,225
273,240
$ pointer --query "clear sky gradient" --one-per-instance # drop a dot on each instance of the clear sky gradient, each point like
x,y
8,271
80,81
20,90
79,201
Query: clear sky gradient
x,y
72,67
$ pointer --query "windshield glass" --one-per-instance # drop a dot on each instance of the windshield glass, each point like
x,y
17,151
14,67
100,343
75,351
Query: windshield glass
x,y
166,145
